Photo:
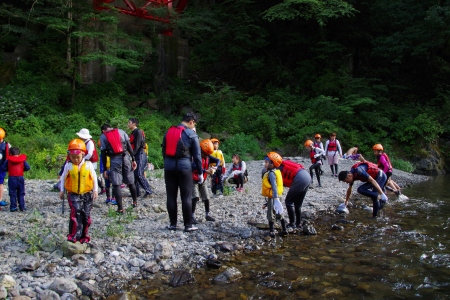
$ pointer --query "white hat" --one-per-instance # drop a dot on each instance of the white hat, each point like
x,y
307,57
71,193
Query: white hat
x,y
84,133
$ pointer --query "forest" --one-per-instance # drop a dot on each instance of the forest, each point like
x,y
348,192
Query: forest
x,y
262,75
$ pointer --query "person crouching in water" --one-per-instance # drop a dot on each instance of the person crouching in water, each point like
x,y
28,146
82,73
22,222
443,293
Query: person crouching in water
x,y
80,181
201,189
272,189
315,154
374,179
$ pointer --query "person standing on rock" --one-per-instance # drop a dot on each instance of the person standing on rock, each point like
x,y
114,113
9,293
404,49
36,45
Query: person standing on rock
x,y
4,152
272,189
333,151
116,144
374,180
137,140
80,181
315,155
181,148
201,190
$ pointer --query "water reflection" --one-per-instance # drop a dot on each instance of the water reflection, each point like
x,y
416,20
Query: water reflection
x,y
402,255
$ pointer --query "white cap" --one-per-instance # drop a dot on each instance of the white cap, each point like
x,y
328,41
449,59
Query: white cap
x,y
84,133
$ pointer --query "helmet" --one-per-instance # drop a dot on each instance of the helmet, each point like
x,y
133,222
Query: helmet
x,y
77,144
275,158
207,146
2,133
317,136
215,141
377,147
308,143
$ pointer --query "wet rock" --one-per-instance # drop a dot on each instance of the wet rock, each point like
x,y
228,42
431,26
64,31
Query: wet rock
x,y
30,263
151,267
309,229
67,296
337,227
231,274
90,290
62,285
181,277
7,281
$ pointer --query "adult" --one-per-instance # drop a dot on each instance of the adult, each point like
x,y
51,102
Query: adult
x,y
115,143
333,151
353,154
180,147
137,140
238,171
4,152
374,180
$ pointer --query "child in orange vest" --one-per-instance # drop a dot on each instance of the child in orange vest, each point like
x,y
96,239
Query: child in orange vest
x,y
80,181
16,164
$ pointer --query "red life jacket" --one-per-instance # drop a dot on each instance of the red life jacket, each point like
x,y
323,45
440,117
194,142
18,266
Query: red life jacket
x,y
94,157
311,155
16,165
288,171
380,165
174,142
372,170
332,145
205,164
132,139
113,137
316,144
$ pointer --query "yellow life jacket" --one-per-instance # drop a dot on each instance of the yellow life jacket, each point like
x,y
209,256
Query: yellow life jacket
x,y
108,163
267,187
219,155
79,181
146,149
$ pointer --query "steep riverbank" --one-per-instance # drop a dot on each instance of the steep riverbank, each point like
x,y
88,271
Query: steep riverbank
x,y
124,249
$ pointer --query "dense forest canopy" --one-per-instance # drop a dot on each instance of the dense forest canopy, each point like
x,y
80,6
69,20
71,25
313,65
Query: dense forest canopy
x,y
276,72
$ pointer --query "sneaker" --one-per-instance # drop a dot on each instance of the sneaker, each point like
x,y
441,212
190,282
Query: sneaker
x,y
108,200
147,195
272,234
335,175
72,239
397,193
172,227
120,212
3,203
190,228
23,209
311,187
122,186
13,209
113,202
102,191
209,218
290,225
134,205
319,185
194,221
332,175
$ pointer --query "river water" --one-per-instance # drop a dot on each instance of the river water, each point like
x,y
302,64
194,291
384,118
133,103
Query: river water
x,y
404,254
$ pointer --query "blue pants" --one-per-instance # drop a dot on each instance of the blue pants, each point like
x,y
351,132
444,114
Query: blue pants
x,y
16,186
368,190
140,180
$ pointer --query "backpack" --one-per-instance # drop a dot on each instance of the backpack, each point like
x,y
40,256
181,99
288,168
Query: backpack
x,y
174,143
290,169
113,137
94,157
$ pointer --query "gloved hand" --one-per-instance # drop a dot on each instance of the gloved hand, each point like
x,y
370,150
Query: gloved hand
x,y
277,206
384,197
317,155
200,179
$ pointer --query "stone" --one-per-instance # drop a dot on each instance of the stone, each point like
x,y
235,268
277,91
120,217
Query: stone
x,y
47,295
231,274
163,250
80,259
22,297
136,262
98,257
50,268
63,285
49,243
309,230
30,263
28,292
67,296
151,267
57,254
90,290
181,277
69,249
3,292
7,281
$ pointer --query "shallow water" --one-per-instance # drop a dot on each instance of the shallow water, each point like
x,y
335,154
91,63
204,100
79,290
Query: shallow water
x,y
404,254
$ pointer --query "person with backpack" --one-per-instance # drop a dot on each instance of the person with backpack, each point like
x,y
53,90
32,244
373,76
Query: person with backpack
x,y
4,152
216,178
333,151
384,163
374,181
239,172
316,161
201,190
137,140
115,143
181,148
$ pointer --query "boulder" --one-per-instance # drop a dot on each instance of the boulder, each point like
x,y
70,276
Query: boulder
x,y
230,275
69,249
7,281
163,250
63,285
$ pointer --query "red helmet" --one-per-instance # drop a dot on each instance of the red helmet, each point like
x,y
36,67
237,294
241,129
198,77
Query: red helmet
x,y
317,136
207,146
308,143
377,147
275,158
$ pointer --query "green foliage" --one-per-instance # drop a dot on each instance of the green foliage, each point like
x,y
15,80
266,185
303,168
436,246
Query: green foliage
x,y
35,235
116,227
421,127
401,164
246,146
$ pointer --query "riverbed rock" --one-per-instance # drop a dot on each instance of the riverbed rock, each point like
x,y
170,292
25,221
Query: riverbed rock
x,y
63,285
69,249
163,250
231,274
30,263
7,281
181,277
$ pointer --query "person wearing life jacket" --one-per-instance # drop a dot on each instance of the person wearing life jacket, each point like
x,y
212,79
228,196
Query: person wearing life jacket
x,y
315,155
216,178
353,154
272,190
15,165
180,147
333,151
115,144
239,172
4,151
137,140
201,190
319,144
110,199
384,163
80,181
374,180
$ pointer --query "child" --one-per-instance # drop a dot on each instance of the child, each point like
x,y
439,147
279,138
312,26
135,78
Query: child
x,y
16,164
4,150
80,181
200,189
272,189
239,172
333,151
315,154
318,144
216,179
353,154
384,163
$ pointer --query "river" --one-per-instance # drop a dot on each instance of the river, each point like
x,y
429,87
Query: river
x,y
404,254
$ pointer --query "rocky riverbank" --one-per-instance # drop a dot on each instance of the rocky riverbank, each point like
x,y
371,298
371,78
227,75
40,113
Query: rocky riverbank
x,y
137,245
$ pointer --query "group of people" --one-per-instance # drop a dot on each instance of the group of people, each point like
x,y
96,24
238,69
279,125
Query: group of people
x,y
187,163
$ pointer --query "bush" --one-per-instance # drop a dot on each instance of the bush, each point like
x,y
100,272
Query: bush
x,y
246,146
